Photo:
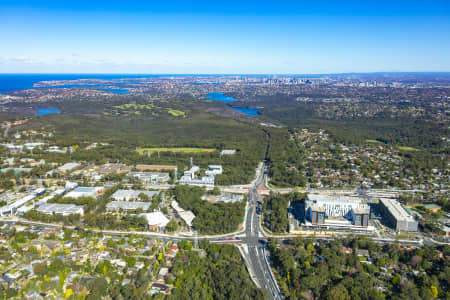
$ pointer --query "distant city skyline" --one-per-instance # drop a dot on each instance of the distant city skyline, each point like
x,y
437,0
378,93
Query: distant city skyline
x,y
236,37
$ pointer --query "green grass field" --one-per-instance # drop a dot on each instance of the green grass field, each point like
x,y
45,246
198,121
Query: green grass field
x,y
134,106
176,113
182,150
373,141
406,148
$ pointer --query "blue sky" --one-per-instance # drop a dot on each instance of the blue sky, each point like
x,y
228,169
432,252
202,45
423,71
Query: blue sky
x,y
223,37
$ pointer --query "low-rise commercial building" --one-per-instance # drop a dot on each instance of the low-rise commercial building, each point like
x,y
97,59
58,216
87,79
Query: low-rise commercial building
x,y
186,215
85,192
204,181
67,167
127,195
157,221
125,205
13,207
151,177
60,209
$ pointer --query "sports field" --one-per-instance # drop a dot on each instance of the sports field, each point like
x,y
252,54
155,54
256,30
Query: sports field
x,y
406,148
183,150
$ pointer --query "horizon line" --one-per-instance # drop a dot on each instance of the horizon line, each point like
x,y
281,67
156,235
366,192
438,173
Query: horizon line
x,y
226,74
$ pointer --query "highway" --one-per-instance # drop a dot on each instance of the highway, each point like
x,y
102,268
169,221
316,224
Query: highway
x,y
254,243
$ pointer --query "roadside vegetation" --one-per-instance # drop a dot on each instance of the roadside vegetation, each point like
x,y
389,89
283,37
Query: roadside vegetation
x,y
210,218
220,274
357,268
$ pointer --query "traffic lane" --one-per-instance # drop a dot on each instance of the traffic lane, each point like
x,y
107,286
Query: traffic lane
x,y
261,271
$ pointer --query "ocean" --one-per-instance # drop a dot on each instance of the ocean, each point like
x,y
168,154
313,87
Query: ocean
x,y
13,82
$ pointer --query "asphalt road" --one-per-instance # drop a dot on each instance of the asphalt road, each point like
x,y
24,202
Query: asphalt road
x,y
254,241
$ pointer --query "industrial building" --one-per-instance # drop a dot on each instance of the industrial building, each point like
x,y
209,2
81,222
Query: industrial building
x,y
67,167
125,205
397,216
150,177
157,221
336,212
60,209
84,192
70,185
127,195
186,215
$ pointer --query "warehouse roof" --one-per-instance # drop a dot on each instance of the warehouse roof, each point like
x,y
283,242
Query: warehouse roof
x,y
132,194
84,191
156,218
128,205
59,208
68,166
187,215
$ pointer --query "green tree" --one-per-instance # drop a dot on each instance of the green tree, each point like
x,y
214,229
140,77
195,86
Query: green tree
x,y
337,292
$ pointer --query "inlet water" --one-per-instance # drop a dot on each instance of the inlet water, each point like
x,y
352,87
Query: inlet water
x,y
227,99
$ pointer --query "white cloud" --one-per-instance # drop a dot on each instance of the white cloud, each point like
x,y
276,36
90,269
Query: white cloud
x,y
23,60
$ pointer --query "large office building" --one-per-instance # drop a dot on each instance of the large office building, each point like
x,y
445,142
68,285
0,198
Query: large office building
x,y
397,216
189,176
316,214
336,211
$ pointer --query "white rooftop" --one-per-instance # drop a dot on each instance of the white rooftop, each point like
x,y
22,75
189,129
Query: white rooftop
x,y
396,209
132,194
156,218
187,215
84,191
68,166
128,205
59,208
